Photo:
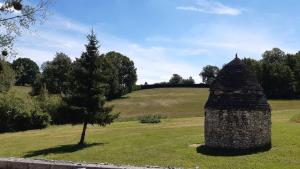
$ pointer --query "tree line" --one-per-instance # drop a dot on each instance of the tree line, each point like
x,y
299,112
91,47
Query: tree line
x,y
175,81
277,72
55,75
82,87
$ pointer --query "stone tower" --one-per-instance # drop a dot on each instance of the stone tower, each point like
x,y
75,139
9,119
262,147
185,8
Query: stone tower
x,y
237,114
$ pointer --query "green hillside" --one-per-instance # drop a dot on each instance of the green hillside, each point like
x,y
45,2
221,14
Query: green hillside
x,y
176,102
170,102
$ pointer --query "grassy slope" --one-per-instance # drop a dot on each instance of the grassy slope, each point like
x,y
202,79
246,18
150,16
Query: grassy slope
x,y
180,102
165,144
176,102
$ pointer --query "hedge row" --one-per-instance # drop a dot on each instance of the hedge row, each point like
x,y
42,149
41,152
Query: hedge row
x,y
167,85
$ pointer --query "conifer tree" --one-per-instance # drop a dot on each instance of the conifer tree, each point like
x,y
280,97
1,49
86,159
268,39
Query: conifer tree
x,y
87,86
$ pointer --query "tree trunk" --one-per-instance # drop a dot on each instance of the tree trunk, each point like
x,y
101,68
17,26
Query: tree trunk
x,y
81,142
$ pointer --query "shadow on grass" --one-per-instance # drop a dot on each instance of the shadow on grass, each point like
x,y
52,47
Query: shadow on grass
x,y
230,152
61,149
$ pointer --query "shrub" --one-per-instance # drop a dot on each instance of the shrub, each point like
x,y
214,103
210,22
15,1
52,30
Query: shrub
x,y
150,118
39,120
18,115
7,76
37,86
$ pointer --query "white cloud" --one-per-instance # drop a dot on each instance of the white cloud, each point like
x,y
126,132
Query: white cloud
x,y
60,22
211,7
154,63
39,56
161,56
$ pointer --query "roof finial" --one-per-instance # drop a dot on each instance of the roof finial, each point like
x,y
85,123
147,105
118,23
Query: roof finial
x,y
236,56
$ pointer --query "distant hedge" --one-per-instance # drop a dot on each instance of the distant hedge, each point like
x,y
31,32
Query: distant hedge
x,y
167,85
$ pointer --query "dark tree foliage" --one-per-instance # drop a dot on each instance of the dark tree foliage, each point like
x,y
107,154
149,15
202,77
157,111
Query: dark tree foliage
x,y
55,73
255,66
175,79
277,77
87,87
209,74
278,73
293,61
278,81
26,71
123,74
168,85
189,81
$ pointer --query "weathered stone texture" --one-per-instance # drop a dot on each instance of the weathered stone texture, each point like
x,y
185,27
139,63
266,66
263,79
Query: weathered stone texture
x,y
237,114
237,129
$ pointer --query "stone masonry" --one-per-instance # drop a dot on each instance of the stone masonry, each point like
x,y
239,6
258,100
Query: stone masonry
x,y
237,114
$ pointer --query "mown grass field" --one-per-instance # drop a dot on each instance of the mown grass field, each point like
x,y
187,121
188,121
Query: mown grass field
x,y
170,143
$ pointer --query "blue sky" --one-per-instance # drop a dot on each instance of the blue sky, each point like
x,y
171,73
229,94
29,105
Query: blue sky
x,y
164,37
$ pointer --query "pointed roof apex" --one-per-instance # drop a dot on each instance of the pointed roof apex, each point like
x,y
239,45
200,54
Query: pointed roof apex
x,y
236,56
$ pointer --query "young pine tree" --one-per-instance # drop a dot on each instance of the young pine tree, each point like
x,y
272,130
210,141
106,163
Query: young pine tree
x,y
87,87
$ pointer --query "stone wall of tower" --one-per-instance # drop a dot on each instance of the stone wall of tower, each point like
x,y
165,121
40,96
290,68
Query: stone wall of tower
x,y
237,129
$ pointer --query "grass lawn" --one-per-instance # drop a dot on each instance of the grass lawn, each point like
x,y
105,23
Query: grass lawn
x,y
165,144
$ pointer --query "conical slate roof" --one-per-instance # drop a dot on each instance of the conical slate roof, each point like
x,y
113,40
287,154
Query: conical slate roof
x,y
236,87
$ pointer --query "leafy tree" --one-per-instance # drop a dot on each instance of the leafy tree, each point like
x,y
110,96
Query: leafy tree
x,y
209,74
123,74
87,87
7,76
175,79
274,56
189,81
55,73
278,78
26,71
293,61
278,73
15,16
278,81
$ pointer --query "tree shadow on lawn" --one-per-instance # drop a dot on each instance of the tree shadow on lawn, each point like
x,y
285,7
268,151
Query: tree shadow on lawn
x,y
202,149
61,149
